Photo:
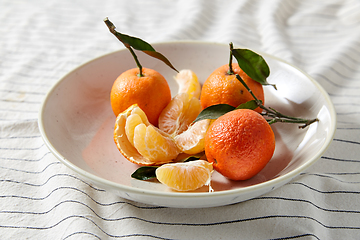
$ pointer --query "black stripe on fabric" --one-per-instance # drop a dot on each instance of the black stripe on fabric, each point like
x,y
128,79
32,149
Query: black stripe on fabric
x,y
81,191
345,66
25,149
344,173
74,202
338,60
81,233
31,172
187,224
85,218
340,74
326,176
345,141
325,192
347,113
347,123
88,219
52,176
340,160
346,95
323,39
306,201
297,236
25,159
348,128
347,104
19,137
122,236
333,83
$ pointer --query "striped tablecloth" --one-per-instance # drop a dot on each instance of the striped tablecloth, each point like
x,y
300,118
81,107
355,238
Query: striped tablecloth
x,y
42,40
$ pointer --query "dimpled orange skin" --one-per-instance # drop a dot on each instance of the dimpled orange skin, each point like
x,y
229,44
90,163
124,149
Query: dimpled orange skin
x,y
239,144
222,88
151,92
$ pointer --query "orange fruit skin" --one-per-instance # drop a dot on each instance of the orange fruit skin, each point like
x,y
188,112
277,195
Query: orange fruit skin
x,y
222,88
151,92
239,144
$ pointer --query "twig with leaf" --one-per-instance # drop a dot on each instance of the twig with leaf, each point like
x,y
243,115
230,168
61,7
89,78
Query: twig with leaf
x,y
138,44
256,68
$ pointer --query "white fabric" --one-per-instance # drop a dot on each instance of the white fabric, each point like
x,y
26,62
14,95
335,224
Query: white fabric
x,y
42,40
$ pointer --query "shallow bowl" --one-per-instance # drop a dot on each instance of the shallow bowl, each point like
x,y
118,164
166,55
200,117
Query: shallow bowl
x,y
77,123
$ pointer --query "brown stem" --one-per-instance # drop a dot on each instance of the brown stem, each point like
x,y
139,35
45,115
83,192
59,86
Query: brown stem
x,y
230,71
275,115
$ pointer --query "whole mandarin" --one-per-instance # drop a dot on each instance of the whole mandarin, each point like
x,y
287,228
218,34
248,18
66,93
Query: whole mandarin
x,y
239,144
224,88
150,92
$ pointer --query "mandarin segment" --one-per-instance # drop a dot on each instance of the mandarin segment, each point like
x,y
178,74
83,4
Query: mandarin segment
x,y
186,176
123,143
192,141
179,114
153,145
142,115
188,83
131,122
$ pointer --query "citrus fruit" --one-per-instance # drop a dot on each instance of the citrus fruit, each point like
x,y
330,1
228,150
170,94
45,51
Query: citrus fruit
x,y
188,83
185,176
154,145
239,144
140,142
179,114
223,88
192,141
132,121
151,92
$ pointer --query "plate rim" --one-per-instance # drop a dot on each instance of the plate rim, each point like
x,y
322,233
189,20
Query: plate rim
x,y
130,189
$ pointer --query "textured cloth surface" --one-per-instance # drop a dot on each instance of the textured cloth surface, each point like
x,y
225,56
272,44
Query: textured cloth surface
x,y
41,41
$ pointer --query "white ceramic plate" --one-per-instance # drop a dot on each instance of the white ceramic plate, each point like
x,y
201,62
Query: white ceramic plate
x,y
76,122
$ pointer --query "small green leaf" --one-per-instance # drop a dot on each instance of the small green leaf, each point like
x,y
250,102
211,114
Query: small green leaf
x,y
214,112
252,64
137,44
160,57
248,105
193,157
144,173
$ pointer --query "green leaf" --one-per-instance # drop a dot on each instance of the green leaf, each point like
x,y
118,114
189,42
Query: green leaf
x,y
134,42
137,44
193,157
252,64
160,57
248,105
214,112
144,173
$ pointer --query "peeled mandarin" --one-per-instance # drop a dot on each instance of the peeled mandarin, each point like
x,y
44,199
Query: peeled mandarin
x,y
185,176
140,142
179,114
188,83
192,141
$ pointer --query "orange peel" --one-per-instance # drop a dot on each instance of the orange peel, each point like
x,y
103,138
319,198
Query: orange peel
x,y
126,144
